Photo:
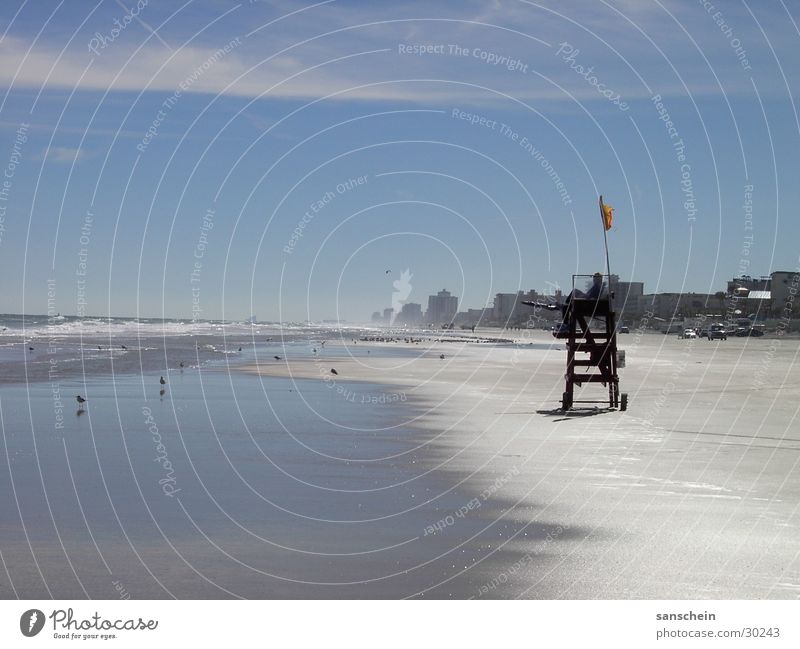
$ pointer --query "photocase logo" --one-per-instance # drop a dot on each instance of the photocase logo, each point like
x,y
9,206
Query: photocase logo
x,y
402,289
31,622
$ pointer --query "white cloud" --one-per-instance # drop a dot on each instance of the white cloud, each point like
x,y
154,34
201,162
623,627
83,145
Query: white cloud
x,y
311,69
65,154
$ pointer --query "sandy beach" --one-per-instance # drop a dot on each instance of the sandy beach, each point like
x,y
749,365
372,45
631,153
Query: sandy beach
x,y
692,492
410,475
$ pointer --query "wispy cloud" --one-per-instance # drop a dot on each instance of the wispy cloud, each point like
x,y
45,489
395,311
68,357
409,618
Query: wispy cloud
x,y
351,52
65,154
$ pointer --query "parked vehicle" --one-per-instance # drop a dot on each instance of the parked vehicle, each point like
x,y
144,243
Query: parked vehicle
x,y
624,330
689,333
743,332
717,332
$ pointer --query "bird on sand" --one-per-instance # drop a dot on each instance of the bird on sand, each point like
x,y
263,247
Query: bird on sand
x,y
30,349
387,272
162,381
123,347
80,399
277,358
333,371
441,356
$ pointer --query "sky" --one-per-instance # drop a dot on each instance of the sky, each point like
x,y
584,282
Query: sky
x,y
214,159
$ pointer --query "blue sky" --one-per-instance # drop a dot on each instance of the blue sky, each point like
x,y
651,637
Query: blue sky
x,y
259,110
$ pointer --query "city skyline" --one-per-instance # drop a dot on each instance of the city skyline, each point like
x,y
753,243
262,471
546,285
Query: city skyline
x,y
754,293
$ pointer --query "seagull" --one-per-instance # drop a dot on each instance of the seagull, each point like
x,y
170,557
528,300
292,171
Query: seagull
x,y
162,381
277,358
441,356
123,347
181,364
30,348
98,347
333,371
387,272
80,400
240,349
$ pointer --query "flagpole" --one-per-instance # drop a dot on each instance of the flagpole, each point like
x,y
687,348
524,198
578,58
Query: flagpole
x,y
605,241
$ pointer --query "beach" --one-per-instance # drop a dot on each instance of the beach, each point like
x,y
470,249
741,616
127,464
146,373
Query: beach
x,y
407,475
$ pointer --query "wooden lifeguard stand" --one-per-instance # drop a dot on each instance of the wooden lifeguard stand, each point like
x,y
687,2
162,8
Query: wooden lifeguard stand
x,y
591,352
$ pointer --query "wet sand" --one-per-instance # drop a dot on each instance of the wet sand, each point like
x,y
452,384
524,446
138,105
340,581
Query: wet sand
x,y
409,475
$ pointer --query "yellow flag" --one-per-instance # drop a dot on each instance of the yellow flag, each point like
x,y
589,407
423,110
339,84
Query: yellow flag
x,y
607,214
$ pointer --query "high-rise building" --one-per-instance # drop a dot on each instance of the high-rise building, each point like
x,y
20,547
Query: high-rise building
x,y
410,314
442,308
505,307
626,295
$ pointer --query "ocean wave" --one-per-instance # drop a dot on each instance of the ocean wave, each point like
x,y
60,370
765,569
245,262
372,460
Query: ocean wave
x,y
34,327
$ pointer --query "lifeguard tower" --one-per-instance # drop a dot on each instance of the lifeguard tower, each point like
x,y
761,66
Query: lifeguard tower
x,y
590,330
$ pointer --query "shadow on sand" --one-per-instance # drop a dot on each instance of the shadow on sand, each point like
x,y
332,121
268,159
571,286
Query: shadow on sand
x,y
566,415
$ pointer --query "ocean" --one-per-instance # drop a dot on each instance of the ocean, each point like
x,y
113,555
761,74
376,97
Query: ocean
x,y
219,483
38,348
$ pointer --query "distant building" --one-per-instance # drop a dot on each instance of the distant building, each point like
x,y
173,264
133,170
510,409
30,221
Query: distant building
x,y
755,305
387,315
377,318
669,306
506,307
442,308
476,317
627,297
765,295
750,283
410,314
784,284
626,292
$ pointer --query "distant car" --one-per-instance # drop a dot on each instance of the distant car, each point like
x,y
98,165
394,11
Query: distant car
x,y
624,330
689,333
752,331
717,332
